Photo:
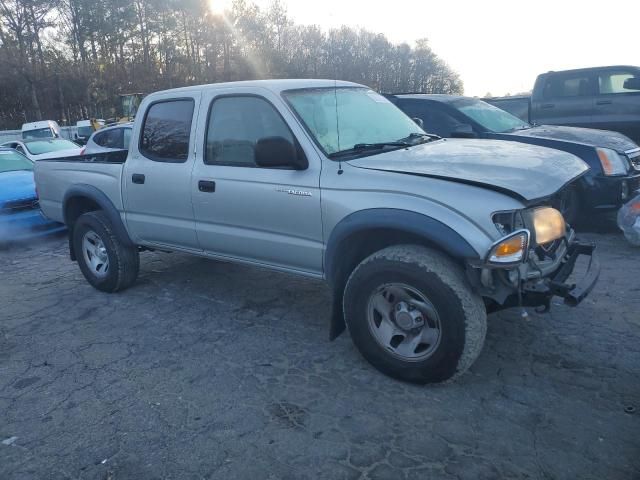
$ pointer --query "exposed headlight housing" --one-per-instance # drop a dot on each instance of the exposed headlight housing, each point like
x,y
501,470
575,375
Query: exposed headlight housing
x,y
612,162
510,250
548,224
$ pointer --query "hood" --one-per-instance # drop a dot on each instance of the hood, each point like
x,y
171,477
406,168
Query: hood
x,y
71,152
586,136
16,186
526,171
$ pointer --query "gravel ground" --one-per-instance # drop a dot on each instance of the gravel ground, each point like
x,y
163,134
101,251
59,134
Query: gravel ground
x,y
210,370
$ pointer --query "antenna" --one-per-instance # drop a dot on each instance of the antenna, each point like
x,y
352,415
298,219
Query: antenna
x,y
335,96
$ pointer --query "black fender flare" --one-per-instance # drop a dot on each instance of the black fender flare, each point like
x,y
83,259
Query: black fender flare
x,y
106,206
431,230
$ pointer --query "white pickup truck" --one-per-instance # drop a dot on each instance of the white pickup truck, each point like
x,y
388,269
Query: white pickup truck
x,y
418,237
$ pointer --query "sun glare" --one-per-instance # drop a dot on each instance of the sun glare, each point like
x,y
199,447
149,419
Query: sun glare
x,y
219,7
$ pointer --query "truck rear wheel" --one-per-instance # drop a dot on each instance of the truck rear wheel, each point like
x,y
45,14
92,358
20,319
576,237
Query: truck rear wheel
x,y
104,260
413,315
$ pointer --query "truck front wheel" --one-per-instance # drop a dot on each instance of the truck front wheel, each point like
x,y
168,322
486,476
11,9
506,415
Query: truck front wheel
x,y
104,260
413,315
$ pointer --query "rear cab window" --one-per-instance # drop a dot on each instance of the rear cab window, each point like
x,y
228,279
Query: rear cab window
x,y
166,130
111,138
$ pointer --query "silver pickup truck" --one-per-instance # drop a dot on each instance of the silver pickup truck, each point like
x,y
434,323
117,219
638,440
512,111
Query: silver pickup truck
x,y
418,237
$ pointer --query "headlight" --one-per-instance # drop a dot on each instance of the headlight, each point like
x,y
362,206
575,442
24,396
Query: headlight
x,y
548,224
509,250
612,162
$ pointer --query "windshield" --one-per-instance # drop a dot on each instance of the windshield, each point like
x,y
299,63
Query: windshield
x,y
490,117
38,133
85,132
360,117
13,161
45,146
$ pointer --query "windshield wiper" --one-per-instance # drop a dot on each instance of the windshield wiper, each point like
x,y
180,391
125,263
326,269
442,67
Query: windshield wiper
x,y
429,137
359,147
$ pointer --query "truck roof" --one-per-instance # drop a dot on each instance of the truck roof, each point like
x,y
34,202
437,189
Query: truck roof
x,y
584,69
275,85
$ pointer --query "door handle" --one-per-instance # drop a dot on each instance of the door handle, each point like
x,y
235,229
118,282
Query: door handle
x,y
547,105
137,178
604,102
207,186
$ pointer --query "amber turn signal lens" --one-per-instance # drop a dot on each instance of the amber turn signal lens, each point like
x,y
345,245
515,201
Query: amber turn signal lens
x,y
509,247
510,250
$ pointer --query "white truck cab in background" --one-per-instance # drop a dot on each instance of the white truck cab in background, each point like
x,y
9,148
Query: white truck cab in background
x,y
41,129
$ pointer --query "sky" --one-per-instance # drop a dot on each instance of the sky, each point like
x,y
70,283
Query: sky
x,y
497,46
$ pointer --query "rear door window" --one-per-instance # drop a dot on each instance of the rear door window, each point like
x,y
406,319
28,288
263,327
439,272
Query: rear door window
x,y
567,86
166,131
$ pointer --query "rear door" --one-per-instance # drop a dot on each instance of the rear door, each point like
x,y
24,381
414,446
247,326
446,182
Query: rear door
x,y
618,107
566,99
263,215
157,173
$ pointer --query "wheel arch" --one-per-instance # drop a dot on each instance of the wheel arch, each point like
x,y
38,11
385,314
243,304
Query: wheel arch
x,y
364,232
80,199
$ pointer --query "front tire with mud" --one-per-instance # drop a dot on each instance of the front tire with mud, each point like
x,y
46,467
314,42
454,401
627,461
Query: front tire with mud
x,y
413,315
106,262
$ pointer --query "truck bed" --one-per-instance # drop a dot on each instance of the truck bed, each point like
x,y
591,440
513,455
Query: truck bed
x,y
55,176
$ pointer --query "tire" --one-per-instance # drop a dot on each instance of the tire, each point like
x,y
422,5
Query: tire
x,y
93,236
434,285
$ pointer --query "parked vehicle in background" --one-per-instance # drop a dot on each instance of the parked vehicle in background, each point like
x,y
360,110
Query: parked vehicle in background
x,y
116,137
45,148
417,237
42,129
606,98
85,129
614,159
20,216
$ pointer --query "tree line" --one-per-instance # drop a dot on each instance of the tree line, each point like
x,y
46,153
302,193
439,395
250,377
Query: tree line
x,y
67,60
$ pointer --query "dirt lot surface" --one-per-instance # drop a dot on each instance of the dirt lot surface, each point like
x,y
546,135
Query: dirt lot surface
x,y
211,370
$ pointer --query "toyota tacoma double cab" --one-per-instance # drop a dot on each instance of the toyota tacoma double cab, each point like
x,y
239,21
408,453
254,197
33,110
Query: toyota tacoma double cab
x,y
418,237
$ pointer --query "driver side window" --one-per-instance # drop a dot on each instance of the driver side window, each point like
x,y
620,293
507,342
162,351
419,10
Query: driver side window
x,y
617,82
235,127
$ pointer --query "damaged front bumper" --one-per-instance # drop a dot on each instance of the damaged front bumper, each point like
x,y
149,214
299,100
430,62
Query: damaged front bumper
x,y
539,293
534,283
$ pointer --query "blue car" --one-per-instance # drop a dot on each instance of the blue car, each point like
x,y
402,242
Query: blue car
x,y
20,216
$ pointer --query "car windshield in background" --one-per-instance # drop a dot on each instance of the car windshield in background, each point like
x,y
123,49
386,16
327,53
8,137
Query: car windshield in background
x,y
492,118
353,120
13,161
38,133
38,147
85,131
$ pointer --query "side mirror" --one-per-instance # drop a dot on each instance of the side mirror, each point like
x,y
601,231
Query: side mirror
x,y
273,152
418,122
463,130
632,83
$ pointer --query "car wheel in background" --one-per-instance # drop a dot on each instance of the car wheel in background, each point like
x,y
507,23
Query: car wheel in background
x,y
105,262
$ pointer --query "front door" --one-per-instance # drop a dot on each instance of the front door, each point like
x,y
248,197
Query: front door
x,y
157,174
269,216
618,103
